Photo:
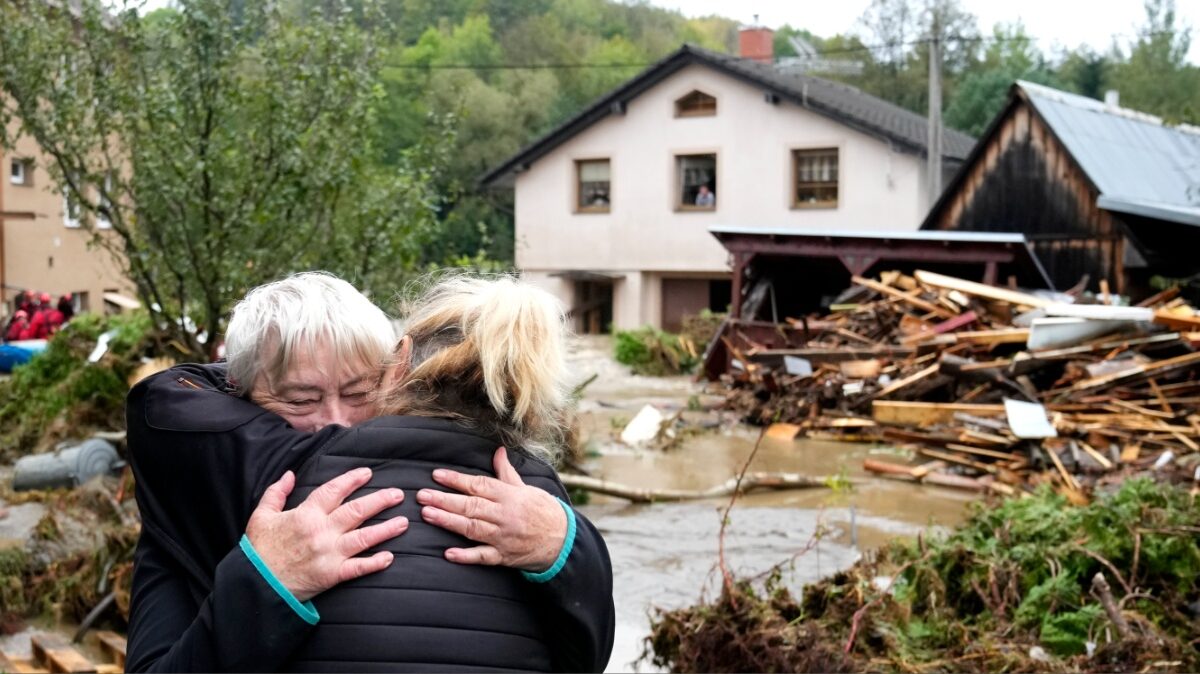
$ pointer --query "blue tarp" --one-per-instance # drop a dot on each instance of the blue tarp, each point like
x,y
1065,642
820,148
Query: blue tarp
x,y
13,354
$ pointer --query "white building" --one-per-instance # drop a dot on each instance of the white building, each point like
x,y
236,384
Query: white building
x,y
613,207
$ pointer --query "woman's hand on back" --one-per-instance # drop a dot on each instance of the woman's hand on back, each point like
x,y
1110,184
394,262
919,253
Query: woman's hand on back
x,y
312,547
519,526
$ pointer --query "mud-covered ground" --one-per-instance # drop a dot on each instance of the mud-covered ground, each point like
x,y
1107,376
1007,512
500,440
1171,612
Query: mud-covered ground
x,y
664,554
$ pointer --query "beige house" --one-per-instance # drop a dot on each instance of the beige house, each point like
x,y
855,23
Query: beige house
x,y
43,245
613,208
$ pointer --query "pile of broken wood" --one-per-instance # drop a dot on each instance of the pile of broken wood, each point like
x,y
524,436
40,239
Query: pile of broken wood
x,y
991,388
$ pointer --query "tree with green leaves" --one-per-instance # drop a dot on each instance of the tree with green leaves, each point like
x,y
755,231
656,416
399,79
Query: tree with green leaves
x,y
1009,56
1156,78
226,143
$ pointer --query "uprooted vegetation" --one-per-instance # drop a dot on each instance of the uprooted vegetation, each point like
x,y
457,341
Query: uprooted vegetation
x,y
59,394
650,351
1030,584
80,552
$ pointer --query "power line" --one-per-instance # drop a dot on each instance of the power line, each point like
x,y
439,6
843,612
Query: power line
x,y
857,49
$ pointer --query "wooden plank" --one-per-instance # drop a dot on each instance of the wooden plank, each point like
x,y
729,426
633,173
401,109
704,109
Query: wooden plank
x,y
1174,321
979,451
908,381
909,297
1104,461
783,431
954,458
56,655
905,413
1162,366
949,325
1068,480
999,336
18,666
1121,404
113,645
980,290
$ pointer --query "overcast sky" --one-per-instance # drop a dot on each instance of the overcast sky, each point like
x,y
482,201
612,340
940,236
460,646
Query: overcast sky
x,y
1066,23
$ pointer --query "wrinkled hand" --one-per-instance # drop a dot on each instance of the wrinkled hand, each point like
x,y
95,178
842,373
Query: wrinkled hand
x,y
520,526
312,547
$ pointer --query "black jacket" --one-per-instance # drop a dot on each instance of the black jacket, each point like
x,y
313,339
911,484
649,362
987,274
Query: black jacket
x,y
424,613
202,459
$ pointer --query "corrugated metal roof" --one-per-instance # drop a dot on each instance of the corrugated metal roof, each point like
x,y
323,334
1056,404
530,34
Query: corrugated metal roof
x,y
1137,162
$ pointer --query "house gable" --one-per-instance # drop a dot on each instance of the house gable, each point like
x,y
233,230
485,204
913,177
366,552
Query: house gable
x,y
847,105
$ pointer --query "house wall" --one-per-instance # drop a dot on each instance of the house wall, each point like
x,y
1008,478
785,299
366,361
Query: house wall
x,y
644,235
1025,181
41,253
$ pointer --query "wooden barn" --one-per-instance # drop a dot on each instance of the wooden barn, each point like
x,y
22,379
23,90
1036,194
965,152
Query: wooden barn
x,y
1100,192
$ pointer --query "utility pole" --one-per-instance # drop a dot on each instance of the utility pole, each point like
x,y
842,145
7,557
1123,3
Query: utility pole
x,y
935,110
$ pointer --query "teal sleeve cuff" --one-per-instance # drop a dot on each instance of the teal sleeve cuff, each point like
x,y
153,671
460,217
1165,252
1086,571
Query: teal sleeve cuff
x,y
561,560
305,610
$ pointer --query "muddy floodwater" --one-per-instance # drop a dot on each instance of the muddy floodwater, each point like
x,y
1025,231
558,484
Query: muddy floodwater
x,y
664,555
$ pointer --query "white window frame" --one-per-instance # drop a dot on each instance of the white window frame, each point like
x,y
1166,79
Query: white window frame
x,y
101,221
18,171
68,221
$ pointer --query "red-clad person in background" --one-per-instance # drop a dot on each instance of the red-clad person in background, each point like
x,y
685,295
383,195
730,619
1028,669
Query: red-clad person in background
x,y
39,325
25,302
55,317
66,304
18,326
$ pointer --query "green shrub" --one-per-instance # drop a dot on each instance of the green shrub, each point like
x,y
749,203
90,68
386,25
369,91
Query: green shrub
x,y
651,351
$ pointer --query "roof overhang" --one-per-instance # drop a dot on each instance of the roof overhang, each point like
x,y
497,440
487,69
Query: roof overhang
x,y
952,247
122,301
1183,215
587,275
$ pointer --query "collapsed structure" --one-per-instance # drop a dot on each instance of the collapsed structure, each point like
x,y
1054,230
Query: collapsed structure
x,y
991,388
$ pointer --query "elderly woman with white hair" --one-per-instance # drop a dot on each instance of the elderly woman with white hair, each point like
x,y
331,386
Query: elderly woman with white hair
x,y
502,575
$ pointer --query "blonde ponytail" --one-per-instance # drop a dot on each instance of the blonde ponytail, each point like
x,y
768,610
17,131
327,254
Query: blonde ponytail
x,y
491,353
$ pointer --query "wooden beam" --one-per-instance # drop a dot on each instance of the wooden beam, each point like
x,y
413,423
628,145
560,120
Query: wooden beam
x,y
980,290
903,413
58,656
909,297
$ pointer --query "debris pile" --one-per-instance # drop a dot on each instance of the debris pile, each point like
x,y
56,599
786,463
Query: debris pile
x,y
994,389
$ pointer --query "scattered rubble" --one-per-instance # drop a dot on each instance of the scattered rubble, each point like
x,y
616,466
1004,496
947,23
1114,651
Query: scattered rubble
x,y
992,388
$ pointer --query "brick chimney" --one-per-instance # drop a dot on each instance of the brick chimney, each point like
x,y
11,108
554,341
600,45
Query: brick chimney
x,y
757,43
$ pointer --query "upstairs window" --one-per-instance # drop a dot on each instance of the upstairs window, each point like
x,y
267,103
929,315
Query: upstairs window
x,y
696,175
72,213
815,176
592,186
104,217
20,172
696,104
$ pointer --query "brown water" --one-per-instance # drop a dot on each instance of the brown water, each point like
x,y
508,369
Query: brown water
x,y
664,555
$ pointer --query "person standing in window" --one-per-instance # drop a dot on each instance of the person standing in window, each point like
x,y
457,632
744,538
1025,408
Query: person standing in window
x,y
705,197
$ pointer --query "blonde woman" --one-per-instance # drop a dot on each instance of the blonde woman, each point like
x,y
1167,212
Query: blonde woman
x,y
482,365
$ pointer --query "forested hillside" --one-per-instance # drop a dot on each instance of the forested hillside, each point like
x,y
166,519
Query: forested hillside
x,y
480,78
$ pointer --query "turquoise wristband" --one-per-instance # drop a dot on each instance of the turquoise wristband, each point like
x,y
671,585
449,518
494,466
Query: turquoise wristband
x,y
305,610
561,560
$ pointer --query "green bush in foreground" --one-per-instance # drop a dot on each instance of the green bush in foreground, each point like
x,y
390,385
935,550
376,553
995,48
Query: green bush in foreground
x,y
651,351
58,394
1016,578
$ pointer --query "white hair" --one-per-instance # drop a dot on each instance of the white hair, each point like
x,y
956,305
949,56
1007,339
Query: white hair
x,y
492,354
303,311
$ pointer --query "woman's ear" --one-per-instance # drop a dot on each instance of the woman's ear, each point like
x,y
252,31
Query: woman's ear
x,y
397,366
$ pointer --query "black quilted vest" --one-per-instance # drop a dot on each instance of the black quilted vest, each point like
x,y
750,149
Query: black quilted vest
x,y
423,613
